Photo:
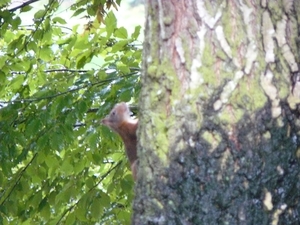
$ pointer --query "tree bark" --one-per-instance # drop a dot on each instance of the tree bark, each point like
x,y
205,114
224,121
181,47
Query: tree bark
x,y
219,135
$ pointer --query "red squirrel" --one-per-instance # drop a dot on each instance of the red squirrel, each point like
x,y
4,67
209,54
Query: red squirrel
x,y
119,120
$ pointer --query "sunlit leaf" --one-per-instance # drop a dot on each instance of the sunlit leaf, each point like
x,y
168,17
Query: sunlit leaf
x,y
16,82
39,14
16,22
119,46
45,53
32,46
67,167
121,33
26,8
111,23
78,12
59,20
136,32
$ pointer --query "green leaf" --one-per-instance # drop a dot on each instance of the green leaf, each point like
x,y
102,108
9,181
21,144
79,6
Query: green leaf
x,y
81,61
123,68
4,3
60,103
56,140
111,23
126,95
125,215
15,44
96,208
80,214
136,32
26,8
51,161
121,33
82,107
16,22
47,37
38,34
36,199
59,20
92,140
70,219
127,184
78,12
17,82
45,53
33,127
67,167
45,212
39,14
82,44
32,46
79,166
119,46
42,142
90,182
105,199
2,77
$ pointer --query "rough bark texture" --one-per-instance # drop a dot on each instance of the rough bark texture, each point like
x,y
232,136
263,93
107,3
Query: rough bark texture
x,y
219,139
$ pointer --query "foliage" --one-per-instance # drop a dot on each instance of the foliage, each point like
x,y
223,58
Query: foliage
x,y
58,165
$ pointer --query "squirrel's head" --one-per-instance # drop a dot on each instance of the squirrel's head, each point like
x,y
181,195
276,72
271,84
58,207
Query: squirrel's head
x,y
119,114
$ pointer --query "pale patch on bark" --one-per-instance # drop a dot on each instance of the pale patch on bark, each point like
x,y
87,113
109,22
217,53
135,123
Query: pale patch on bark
x,y
264,3
282,43
223,42
228,89
288,5
246,12
268,33
268,205
208,19
251,56
196,76
218,105
179,49
252,52
289,57
280,31
271,92
294,97
161,22
277,213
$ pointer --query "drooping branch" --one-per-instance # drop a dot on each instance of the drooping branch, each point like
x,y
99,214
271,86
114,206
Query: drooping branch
x,y
23,5
99,83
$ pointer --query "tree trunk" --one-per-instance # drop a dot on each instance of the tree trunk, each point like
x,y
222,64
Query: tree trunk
x,y
219,113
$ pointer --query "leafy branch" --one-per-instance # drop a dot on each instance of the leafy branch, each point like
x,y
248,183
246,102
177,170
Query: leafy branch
x,y
91,189
23,5
99,83
54,70
17,181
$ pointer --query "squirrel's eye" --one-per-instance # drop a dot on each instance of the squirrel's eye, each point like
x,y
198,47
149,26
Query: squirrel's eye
x,y
113,113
